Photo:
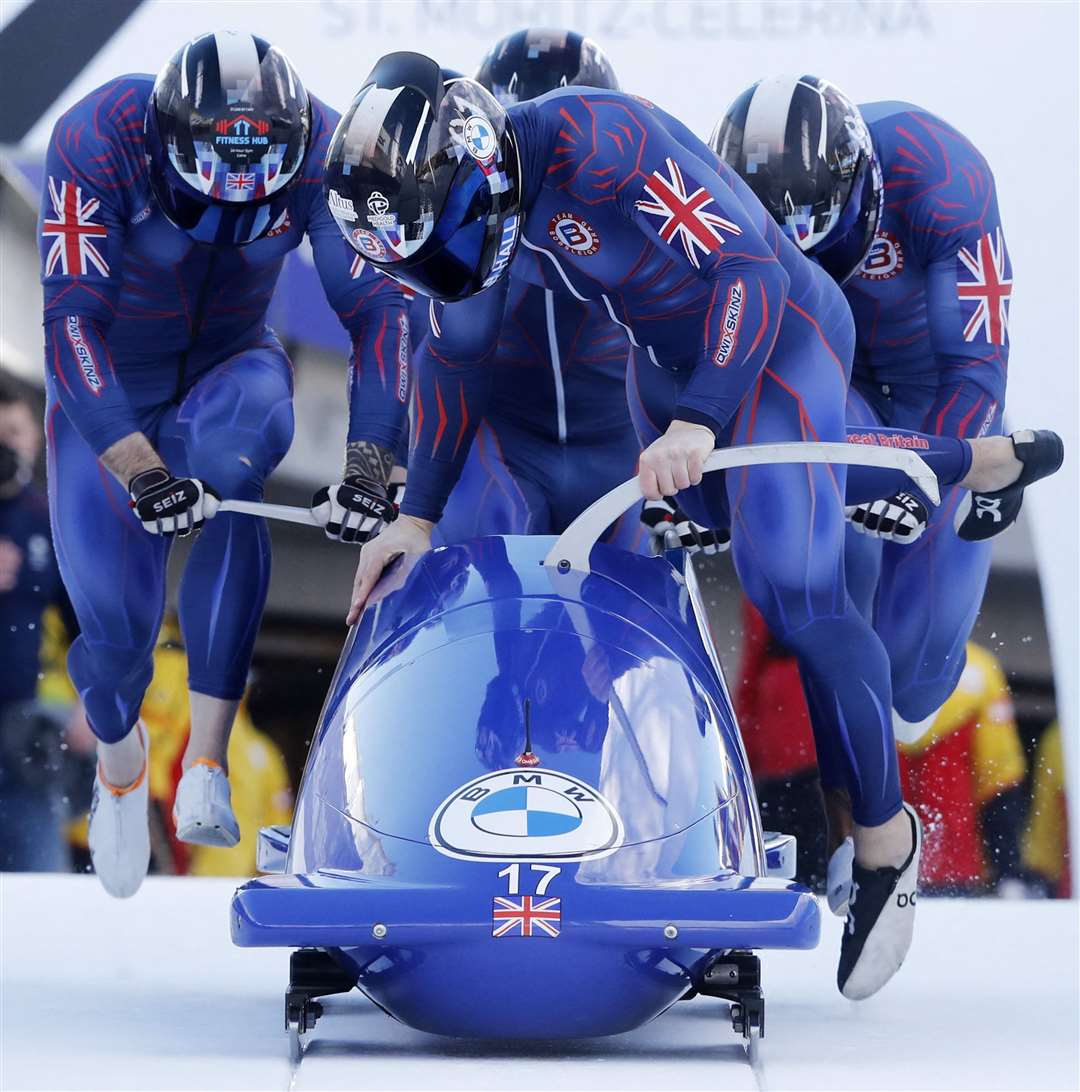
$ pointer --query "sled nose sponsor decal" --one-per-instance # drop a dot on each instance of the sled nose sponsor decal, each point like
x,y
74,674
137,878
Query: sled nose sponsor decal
x,y
525,815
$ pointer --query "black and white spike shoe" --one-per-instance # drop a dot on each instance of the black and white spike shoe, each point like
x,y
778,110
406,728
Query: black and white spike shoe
x,y
880,921
982,515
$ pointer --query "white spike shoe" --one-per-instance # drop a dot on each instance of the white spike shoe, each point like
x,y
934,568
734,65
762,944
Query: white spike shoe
x,y
203,810
119,832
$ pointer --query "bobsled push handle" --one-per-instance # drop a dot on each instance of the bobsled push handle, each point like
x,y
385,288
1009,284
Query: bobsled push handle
x,y
574,545
286,512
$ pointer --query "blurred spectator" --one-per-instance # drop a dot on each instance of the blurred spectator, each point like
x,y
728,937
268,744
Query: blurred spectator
x,y
261,793
1046,840
965,775
775,727
32,809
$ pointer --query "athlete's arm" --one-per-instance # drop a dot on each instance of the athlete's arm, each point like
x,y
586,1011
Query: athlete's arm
x,y
453,386
958,237
81,232
716,238
371,307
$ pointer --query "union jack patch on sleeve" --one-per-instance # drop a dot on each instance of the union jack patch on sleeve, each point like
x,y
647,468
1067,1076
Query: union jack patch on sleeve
x,y
683,213
73,231
987,291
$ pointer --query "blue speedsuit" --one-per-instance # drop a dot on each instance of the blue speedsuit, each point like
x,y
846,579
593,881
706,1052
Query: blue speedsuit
x,y
931,312
626,208
146,330
556,433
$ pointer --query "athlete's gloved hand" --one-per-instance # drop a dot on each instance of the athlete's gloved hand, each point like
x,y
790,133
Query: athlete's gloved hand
x,y
168,505
900,518
671,528
353,510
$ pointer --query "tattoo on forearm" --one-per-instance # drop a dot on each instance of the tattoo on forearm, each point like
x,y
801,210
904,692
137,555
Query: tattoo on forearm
x,y
363,459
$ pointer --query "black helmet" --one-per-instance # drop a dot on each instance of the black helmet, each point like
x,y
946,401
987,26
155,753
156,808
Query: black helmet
x,y
227,129
423,178
532,62
803,148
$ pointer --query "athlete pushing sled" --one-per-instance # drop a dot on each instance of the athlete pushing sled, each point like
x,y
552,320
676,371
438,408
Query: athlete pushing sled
x,y
737,338
168,210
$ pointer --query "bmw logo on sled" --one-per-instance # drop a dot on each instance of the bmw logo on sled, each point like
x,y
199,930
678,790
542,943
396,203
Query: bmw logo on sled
x,y
527,775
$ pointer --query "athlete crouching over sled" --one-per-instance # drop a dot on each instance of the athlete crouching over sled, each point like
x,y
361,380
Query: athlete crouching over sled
x,y
168,211
736,337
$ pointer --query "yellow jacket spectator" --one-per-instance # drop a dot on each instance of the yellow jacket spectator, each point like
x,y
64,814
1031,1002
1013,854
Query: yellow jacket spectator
x,y
1046,840
964,777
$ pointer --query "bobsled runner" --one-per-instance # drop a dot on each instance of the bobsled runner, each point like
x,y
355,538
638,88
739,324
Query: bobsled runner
x,y
527,812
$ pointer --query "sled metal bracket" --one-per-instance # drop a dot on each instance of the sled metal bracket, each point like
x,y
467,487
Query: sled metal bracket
x,y
272,848
573,547
780,855
736,977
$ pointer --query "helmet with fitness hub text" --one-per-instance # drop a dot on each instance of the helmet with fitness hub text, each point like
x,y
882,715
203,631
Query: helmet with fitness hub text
x,y
227,130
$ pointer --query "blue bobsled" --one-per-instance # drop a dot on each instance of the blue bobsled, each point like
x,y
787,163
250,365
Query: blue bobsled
x,y
527,812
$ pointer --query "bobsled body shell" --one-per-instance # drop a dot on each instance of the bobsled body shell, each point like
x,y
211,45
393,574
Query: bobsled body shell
x,y
526,897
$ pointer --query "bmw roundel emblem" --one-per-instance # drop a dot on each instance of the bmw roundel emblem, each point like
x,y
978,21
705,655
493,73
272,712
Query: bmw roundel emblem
x,y
479,136
526,815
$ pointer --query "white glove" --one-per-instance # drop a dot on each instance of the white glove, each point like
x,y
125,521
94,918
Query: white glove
x,y
353,510
671,528
899,518
167,505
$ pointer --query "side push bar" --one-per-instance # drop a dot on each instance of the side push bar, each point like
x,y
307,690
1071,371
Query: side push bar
x,y
285,512
574,545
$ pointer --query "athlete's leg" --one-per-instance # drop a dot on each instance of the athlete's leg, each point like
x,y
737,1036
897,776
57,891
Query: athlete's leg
x,y
788,532
114,573
494,496
928,599
231,430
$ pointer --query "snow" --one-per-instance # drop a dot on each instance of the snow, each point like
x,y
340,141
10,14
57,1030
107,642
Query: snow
x,y
150,993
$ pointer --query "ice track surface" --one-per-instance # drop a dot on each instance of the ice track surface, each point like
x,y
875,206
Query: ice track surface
x,y
151,994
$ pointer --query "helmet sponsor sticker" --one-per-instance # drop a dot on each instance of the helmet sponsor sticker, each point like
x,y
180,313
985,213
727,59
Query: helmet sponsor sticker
x,y
885,258
574,233
379,209
525,815
479,136
341,206
369,244
242,131
505,252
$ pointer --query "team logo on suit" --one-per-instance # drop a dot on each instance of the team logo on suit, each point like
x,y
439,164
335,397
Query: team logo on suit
x,y
574,233
885,258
